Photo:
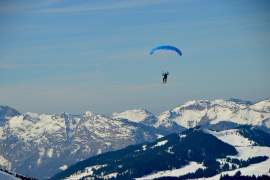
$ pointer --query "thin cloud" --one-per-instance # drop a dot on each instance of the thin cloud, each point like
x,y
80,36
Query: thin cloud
x,y
90,7
19,6
8,66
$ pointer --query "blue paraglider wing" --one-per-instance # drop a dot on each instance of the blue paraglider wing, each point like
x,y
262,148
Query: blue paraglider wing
x,y
166,47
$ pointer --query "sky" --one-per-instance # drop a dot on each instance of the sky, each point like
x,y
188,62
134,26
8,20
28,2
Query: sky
x,y
72,56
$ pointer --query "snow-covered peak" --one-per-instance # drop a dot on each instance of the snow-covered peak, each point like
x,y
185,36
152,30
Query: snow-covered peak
x,y
164,115
88,113
203,112
223,102
262,106
134,115
205,104
194,104
232,103
33,115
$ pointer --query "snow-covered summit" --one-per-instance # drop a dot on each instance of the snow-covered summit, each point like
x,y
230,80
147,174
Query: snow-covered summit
x,y
88,113
263,106
194,104
147,118
204,104
203,112
134,115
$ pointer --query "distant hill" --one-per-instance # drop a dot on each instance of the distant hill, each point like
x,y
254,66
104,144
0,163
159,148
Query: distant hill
x,y
194,153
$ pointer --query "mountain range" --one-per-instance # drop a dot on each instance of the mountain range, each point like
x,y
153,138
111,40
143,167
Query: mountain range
x,y
40,145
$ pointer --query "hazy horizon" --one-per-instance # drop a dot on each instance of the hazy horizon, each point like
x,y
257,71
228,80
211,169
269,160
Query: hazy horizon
x,y
110,113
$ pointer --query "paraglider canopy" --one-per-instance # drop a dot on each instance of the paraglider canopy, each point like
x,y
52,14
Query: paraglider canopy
x,y
166,47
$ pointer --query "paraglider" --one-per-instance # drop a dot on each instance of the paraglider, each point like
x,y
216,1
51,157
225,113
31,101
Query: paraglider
x,y
166,48
165,76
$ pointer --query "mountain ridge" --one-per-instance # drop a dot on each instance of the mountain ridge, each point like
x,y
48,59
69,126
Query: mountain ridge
x,y
34,140
194,153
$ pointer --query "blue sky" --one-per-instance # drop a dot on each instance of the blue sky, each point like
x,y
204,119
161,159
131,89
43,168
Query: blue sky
x,y
58,55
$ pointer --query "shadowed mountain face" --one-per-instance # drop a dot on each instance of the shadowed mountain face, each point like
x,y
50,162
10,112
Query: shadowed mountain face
x,y
173,151
41,145
8,175
195,153
5,176
6,113
258,136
